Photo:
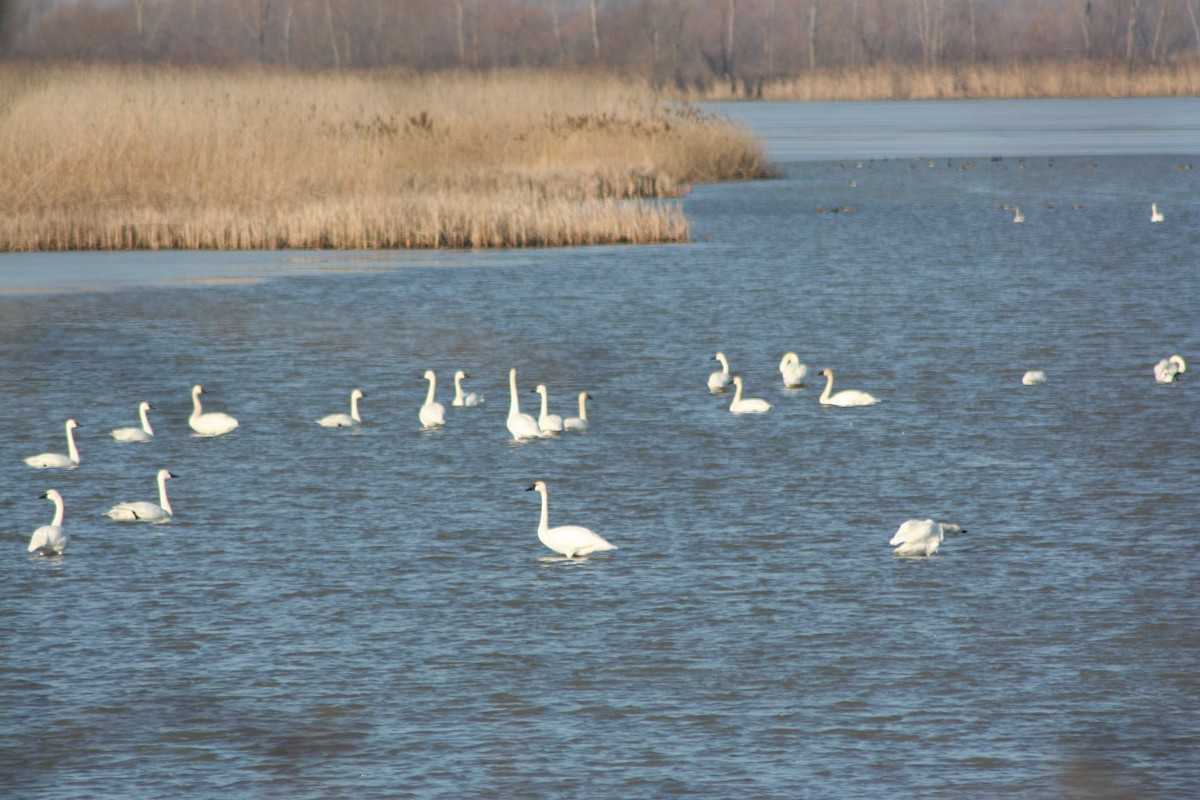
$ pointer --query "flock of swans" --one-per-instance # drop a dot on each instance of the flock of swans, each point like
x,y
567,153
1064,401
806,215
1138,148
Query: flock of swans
x,y
913,538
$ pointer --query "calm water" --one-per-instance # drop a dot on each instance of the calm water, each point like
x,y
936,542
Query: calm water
x,y
369,614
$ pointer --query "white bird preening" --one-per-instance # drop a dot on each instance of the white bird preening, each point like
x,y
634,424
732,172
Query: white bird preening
x,y
917,537
433,414
1155,214
746,405
1034,377
350,420
719,381
1169,369
846,397
142,434
794,373
51,540
550,424
579,423
1017,215
58,460
214,423
570,540
142,511
461,399
521,426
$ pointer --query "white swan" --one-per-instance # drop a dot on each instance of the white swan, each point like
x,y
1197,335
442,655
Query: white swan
x,y
142,434
1169,369
469,399
549,423
350,420
1155,214
142,511
917,537
213,423
794,373
521,426
579,423
58,460
719,381
433,414
846,397
570,540
51,540
1017,215
1035,377
746,405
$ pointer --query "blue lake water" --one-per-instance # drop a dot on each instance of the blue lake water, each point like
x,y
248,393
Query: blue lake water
x,y
369,613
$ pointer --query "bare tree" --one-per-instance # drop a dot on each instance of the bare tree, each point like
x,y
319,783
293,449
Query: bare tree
x,y
595,30
1131,31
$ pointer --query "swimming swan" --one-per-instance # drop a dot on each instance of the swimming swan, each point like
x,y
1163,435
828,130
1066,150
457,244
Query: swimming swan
x,y
142,434
1035,377
350,420
433,415
1017,215
579,423
917,537
549,423
51,540
213,423
846,397
570,540
521,426
719,381
794,373
1169,369
58,460
142,511
747,405
1155,214
470,399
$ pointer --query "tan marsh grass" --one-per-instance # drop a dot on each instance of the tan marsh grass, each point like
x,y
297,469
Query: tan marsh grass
x,y
129,158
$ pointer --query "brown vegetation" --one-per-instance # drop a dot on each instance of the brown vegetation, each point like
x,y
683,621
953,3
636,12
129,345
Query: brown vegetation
x,y
119,158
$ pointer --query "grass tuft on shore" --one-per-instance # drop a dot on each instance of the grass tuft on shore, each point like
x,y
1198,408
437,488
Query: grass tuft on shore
x,y
150,158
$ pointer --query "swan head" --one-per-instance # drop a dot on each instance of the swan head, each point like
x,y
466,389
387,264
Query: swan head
x,y
828,373
737,380
51,494
790,358
72,424
460,375
541,389
197,390
429,376
584,396
538,486
356,394
163,474
144,406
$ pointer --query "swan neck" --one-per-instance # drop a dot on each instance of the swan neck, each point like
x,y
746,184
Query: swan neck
x,y
58,511
737,393
72,451
432,388
514,404
354,408
583,407
458,392
162,495
544,524
545,402
828,388
196,408
145,421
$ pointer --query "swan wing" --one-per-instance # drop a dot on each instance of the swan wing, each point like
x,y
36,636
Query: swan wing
x,y
336,421
48,539
51,461
575,540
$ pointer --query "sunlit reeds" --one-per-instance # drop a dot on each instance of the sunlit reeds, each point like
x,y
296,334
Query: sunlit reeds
x,y
122,158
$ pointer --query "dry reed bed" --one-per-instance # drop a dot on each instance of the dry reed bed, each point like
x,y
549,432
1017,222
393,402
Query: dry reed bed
x,y
123,158
981,81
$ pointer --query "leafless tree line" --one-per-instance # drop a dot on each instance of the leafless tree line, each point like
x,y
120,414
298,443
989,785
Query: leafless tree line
x,y
685,42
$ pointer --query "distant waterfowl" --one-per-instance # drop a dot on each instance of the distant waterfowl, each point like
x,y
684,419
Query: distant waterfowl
x,y
846,397
794,373
1034,377
141,511
1169,369
214,423
469,399
142,434
58,460
51,540
917,537
719,381
344,420
521,426
569,540
746,405
579,423
433,414
1155,214
549,423
1017,215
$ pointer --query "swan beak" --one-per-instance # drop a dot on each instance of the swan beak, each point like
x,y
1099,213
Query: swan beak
x,y
530,489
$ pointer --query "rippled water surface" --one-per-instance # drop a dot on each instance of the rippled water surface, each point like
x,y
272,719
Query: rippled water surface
x,y
369,613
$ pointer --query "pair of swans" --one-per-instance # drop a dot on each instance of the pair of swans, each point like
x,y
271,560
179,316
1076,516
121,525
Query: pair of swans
x,y
922,537
142,511
51,540
214,423
142,434
569,540
1034,377
461,399
552,424
720,380
1169,369
351,420
58,460
794,373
